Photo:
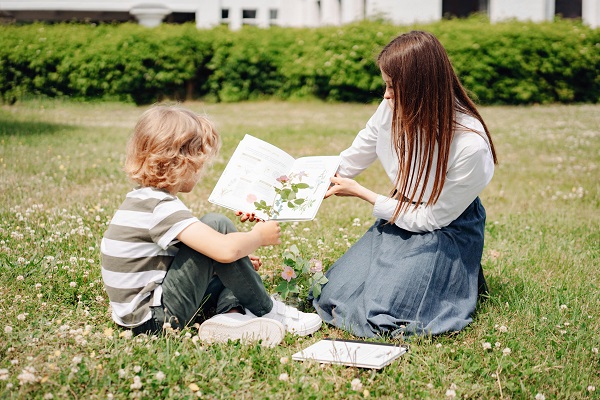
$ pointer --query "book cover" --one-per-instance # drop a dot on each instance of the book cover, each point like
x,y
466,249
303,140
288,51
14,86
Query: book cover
x,y
353,353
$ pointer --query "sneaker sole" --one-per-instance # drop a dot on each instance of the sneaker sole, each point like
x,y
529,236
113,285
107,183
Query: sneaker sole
x,y
307,330
269,332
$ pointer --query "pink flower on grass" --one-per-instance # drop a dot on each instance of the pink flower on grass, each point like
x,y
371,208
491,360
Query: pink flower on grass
x,y
288,273
283,179
316,265
251,198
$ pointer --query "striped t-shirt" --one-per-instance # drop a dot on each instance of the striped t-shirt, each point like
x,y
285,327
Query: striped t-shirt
x,y
137,250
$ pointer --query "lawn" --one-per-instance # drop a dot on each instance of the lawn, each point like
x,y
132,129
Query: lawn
x,y
535,337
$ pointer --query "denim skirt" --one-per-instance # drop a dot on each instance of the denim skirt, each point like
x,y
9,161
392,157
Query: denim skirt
x,y
394,282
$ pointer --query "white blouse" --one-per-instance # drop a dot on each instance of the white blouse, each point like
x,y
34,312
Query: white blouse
x,y
470,169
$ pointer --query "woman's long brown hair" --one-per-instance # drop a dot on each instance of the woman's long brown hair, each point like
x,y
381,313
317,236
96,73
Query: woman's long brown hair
x,y
427,95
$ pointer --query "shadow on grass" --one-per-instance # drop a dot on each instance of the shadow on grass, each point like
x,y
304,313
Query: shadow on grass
x,y
25,128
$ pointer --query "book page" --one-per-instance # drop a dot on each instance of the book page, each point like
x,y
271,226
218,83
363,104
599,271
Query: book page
x,y
250,175
352,353
316,172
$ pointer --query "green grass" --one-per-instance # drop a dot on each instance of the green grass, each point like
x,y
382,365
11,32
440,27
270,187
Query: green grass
x,y
61,180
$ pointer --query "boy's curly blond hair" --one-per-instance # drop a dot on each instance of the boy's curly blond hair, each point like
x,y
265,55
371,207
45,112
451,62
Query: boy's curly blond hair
x,y
168,144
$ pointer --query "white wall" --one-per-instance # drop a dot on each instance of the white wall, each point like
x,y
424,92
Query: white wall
x,y
209,14
529,10
591,13
300,13
405,11
352,10
87,5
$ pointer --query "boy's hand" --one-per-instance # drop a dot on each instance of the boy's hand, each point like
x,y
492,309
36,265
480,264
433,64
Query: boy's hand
x,y
269,232
247,216
256,262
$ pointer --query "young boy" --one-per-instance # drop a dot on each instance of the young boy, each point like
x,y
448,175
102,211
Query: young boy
x,y
161,266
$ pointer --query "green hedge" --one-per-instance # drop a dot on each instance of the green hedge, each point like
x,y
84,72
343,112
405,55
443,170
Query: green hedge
x,y
505,63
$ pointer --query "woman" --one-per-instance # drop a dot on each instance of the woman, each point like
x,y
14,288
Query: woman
x,y
417,269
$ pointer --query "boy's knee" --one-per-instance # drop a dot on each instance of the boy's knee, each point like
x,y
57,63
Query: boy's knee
x,y
219,222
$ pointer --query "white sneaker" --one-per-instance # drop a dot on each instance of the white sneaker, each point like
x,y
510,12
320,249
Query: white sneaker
x,y
294,321
247,328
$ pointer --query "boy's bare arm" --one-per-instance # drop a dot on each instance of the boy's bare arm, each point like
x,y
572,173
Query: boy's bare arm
x,y
230,247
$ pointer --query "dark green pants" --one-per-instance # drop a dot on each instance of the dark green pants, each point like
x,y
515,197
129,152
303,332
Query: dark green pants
x,y
195,284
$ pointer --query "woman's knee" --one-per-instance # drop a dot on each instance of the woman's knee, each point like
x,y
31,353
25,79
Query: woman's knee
x,y
219,222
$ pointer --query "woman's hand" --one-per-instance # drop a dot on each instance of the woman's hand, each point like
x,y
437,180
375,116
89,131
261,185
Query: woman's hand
x,y
349,187
256,262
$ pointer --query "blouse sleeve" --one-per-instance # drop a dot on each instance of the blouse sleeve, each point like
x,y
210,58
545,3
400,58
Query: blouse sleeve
x,y
363,151
470,173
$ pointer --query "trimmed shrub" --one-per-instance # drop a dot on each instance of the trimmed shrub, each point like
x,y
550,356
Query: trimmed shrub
x,y
505,63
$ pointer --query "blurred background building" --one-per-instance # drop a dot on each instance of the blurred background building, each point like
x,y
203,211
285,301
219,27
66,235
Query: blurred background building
x,y
293,13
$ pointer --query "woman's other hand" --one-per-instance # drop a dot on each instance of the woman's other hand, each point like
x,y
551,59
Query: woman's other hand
x,y
349,187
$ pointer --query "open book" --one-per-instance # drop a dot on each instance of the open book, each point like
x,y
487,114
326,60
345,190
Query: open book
x,y
351,352
258,169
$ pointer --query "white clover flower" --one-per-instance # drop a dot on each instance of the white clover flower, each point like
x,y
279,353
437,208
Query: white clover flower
x,y
122,373
159,376
127,334
28,375
20,278
76,360
137,369
8,329
4,374
284,377
73,284
21,317
487,346
506,351
503,329
591,388
451,393
595,350
137,383
284,360
48,396
540,396
356,384
563,307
